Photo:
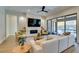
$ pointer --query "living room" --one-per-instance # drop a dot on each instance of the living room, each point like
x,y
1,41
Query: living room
x,y
39,29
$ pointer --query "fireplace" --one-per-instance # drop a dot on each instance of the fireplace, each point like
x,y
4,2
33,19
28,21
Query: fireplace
x,y
33,31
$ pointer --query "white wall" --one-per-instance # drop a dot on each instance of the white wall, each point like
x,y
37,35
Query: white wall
x,y
13,25
22,22
2,24
70,11
44,23
7,25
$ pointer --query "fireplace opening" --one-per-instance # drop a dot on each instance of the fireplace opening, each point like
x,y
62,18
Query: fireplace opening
x,y
33,31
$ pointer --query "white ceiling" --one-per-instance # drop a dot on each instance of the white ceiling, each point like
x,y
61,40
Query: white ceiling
x,y
35,9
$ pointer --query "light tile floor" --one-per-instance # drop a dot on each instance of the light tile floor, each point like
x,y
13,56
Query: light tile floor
x,y
73,49
8,45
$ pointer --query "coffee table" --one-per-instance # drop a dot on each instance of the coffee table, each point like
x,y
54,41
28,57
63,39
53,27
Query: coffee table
x,y
25,49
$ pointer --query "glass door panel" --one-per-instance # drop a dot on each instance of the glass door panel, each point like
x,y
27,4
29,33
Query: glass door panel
x,y
49,26
53,27
60,27
71,27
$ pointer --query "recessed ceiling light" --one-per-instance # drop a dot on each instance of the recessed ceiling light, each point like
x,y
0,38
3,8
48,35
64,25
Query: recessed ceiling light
x,y
22,18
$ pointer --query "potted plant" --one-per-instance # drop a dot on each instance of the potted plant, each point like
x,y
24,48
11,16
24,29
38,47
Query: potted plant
x,y
21,41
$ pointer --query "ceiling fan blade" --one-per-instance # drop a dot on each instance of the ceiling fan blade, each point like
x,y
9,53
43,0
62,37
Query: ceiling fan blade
x,y
43,8
38,11
46,11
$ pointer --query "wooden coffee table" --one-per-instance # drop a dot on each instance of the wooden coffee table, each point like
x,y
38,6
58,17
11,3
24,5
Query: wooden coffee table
x,y
24,49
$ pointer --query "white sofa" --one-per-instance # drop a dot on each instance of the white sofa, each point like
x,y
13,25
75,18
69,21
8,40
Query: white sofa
x,y
49,46
66,42
56,44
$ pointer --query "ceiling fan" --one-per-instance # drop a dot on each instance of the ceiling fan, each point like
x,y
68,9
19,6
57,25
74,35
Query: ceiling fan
x,y
43,9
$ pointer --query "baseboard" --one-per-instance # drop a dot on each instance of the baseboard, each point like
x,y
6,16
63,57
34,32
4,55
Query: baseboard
x,y
2,40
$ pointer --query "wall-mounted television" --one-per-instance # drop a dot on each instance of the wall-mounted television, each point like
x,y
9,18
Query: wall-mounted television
x,y
32,22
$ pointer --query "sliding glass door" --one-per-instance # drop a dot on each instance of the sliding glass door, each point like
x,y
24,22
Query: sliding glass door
x,y
60,27
51,26
49,22
63,24
71,27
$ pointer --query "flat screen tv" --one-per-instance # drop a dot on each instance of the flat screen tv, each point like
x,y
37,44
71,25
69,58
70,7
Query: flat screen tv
x,y
32,22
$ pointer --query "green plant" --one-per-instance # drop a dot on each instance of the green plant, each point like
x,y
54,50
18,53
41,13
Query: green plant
x,y
21,41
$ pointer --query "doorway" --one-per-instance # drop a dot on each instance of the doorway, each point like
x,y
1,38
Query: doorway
x,y
11,25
